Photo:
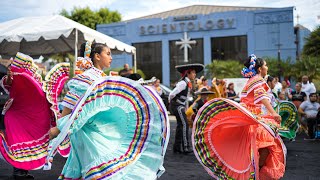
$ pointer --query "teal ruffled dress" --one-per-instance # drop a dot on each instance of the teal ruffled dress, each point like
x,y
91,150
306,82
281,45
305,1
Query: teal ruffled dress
x,y
116,129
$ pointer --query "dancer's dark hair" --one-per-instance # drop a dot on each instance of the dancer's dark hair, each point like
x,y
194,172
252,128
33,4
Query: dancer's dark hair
x,y
95,48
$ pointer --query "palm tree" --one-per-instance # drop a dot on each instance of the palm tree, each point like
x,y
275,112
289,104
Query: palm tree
x,y
285,67
309,66
312,46
224,69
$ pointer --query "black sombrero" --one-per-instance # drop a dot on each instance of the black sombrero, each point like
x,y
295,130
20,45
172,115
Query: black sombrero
x,y
204,91
134,76
183,68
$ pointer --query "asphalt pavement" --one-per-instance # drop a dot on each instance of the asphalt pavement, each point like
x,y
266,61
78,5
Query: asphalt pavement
x,y
303,162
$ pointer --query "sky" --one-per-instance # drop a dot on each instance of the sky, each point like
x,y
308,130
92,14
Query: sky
x,y
307,10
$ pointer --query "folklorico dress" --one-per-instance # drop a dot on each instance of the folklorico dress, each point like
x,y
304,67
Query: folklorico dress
x,y
255,90
289,119
227,136
117,129
289,116
27,117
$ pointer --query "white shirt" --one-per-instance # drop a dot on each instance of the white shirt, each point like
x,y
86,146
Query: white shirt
x,y
308,88
180,86
311,109
277,88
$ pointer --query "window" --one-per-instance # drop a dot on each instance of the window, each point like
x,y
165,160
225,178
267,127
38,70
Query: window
x,y
232,48
195,55
149,58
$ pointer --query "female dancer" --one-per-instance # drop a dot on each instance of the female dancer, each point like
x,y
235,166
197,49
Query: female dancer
x,y
253,96
223,125
27,117
287,110
113,123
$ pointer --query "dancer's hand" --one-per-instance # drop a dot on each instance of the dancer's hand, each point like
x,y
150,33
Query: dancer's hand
x,y
9,77
277,117
54,132
9,73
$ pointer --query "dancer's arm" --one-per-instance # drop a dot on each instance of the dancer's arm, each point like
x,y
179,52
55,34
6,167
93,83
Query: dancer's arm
x,y
9,77
54,132
275,115
65,111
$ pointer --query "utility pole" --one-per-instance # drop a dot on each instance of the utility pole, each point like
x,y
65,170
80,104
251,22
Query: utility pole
x,y
298,17
279,60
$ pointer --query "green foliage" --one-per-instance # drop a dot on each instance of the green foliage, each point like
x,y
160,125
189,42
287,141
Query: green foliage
x,y
107,72
62,57
139,71
108,16
224,69
312,45
309,66
64,13
91,18
285,67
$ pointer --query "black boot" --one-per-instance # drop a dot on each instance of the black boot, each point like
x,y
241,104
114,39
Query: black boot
x,y
187,150
21,174
177,149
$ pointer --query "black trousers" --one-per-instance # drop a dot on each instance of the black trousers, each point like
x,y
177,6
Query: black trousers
x,y
311,122
19,172
1,119
181,142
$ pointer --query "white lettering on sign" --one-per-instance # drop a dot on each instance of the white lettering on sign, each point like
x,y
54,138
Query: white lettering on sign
x,y
188,26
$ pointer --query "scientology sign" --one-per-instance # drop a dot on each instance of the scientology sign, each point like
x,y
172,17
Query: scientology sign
x,y
187,23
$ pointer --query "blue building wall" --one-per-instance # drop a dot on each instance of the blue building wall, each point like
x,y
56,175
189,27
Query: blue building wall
x,y
264,29
302,34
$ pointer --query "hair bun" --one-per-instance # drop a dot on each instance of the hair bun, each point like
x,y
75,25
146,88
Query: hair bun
x,y
250,71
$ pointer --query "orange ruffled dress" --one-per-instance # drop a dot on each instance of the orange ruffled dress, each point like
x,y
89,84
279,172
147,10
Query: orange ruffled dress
x,y
227,136
255,90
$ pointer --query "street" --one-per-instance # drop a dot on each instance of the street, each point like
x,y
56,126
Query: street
x,y
303,160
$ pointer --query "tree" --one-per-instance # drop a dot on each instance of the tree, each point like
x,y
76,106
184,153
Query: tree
x,y
312,46
91,18
273,67
62,57
108,16
224,69
309,66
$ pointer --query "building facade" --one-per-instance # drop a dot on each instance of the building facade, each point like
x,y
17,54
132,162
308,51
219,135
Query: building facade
x,y
300,32
211,32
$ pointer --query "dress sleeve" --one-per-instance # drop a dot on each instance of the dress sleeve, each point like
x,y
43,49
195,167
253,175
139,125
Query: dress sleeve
x,y
4,85
260,93
76,90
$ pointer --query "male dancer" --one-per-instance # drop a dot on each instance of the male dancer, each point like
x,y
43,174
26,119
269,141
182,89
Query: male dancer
x,y
178,99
